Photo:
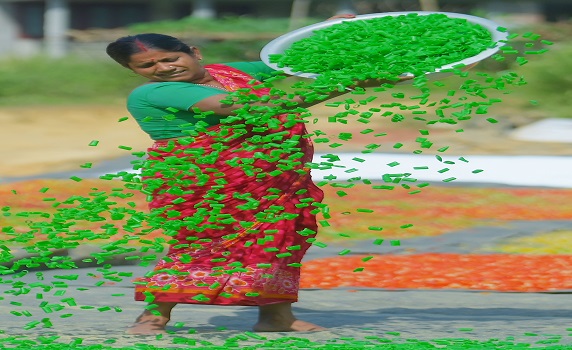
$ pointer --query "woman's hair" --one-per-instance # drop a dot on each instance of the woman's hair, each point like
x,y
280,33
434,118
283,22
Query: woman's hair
x,y
123,48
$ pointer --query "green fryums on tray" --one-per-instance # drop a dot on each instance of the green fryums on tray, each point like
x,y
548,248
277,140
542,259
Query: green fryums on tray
x,y
385,47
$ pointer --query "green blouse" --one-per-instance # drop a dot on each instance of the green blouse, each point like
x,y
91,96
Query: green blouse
x,y
162,109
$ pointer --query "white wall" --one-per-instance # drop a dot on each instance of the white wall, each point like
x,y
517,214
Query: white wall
x,y
10,43
56,26
8,29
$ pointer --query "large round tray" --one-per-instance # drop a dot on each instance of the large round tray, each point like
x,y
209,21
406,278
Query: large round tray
x,y
283,42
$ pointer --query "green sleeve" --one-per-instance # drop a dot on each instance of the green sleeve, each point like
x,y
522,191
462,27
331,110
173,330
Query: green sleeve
x,y
181,96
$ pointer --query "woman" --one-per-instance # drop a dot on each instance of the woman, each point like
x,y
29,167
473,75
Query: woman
x,y
228,182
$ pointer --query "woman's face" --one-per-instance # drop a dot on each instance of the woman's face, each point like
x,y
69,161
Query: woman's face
x,y
158,65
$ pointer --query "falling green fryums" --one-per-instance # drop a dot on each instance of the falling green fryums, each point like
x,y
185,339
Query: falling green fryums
x,y
378,241
473,99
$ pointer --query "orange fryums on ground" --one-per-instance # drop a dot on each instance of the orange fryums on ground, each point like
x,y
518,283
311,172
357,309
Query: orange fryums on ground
x,y
434,211
494,272
437,209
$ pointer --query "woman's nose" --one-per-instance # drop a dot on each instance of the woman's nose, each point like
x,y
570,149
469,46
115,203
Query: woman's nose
x,y
164,67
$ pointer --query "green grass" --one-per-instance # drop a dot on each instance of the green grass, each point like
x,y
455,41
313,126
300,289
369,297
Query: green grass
x,y
231,50
71,80
222,25
550,81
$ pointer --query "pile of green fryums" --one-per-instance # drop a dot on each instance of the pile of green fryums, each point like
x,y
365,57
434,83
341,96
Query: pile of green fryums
x,y
249,340
384,47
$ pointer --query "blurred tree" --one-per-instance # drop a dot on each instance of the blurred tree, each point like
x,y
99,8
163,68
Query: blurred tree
x,y
346,6
429,5
300,11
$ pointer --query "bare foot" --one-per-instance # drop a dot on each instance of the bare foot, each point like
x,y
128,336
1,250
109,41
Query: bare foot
x,y
293,326
148,325
279,318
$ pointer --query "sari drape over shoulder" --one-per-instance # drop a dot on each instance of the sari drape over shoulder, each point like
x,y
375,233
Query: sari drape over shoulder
x,y
239,203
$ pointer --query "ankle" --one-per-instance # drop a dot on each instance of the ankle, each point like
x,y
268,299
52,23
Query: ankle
x,y
276,313
279,318
147,316
159,310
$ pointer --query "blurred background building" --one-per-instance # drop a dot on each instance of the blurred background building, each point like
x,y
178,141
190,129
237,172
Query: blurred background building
x,y
29,27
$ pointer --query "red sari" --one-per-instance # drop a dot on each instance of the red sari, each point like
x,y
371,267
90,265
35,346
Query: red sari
x,y
240,211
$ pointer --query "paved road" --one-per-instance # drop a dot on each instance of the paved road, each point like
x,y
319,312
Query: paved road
x,y
361,315
407,319
457,319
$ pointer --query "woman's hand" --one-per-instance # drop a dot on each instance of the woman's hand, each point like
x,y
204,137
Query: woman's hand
x,y
343,15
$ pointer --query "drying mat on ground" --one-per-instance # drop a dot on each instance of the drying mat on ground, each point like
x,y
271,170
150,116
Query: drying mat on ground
x,y
490,272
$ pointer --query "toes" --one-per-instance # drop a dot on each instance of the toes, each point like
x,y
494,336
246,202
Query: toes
x,y
146,328
302,326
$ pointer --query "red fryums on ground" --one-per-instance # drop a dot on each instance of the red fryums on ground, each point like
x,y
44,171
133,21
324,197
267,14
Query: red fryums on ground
x,y
494,272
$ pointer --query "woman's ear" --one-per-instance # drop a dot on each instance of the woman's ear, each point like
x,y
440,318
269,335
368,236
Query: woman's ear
x,y
196,53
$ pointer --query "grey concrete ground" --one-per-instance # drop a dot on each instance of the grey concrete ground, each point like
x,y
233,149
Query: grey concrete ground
x,y
35,312
420,315
453,319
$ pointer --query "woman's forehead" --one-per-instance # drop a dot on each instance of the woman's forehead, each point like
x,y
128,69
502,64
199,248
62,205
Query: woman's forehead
x,y
152,55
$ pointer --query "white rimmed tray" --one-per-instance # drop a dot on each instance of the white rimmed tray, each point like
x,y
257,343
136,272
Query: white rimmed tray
x,y
283,42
